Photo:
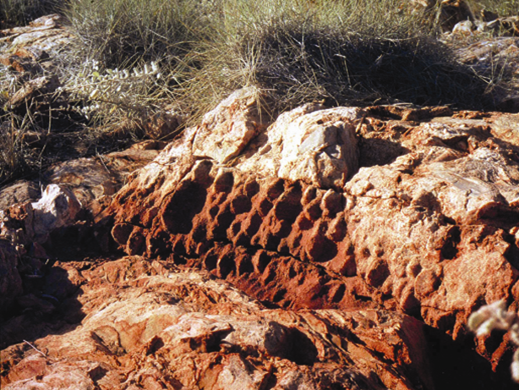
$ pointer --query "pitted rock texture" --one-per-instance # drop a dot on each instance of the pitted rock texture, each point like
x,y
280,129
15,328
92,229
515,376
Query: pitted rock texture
x,y
332,248
427,226
150,325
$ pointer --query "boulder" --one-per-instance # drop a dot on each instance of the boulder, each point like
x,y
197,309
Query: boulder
x,y
226,130
19,192
57,208
308,144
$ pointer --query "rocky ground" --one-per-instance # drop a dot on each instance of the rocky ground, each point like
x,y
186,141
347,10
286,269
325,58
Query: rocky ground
x,y
329,248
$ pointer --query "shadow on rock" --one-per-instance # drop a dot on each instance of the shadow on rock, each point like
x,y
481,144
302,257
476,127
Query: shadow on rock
x,y
455,366
377,152
47,304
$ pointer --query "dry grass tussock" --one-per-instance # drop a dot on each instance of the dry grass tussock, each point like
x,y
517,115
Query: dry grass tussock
x,y
341,51
135,57
501,8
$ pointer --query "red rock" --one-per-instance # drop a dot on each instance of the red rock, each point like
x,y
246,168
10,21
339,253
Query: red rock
x,y
149,324
424,232
358,272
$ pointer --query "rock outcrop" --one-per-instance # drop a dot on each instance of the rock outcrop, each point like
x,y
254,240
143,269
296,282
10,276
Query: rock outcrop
x,y
151,325
448,187
334,247
346,237
427,226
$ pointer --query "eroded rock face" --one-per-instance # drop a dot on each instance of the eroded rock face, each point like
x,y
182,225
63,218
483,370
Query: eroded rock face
x,y
36,230
341,247
150,325
425,227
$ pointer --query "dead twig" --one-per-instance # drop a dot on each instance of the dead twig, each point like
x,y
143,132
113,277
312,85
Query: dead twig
x,y
102,162
35,348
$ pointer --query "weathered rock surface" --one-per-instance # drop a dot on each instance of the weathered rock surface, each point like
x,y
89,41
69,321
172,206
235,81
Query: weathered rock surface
x,y
150,325
19,192
35,39
28,52
342,247
227,129
425,227
307,144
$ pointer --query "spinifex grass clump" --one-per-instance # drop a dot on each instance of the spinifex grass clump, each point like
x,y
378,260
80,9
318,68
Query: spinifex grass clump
x,y
500,7
123,38
344,51
130,32
21,12
347,52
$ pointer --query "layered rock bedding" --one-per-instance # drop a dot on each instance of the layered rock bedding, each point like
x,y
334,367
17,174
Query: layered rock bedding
x,y
327,248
